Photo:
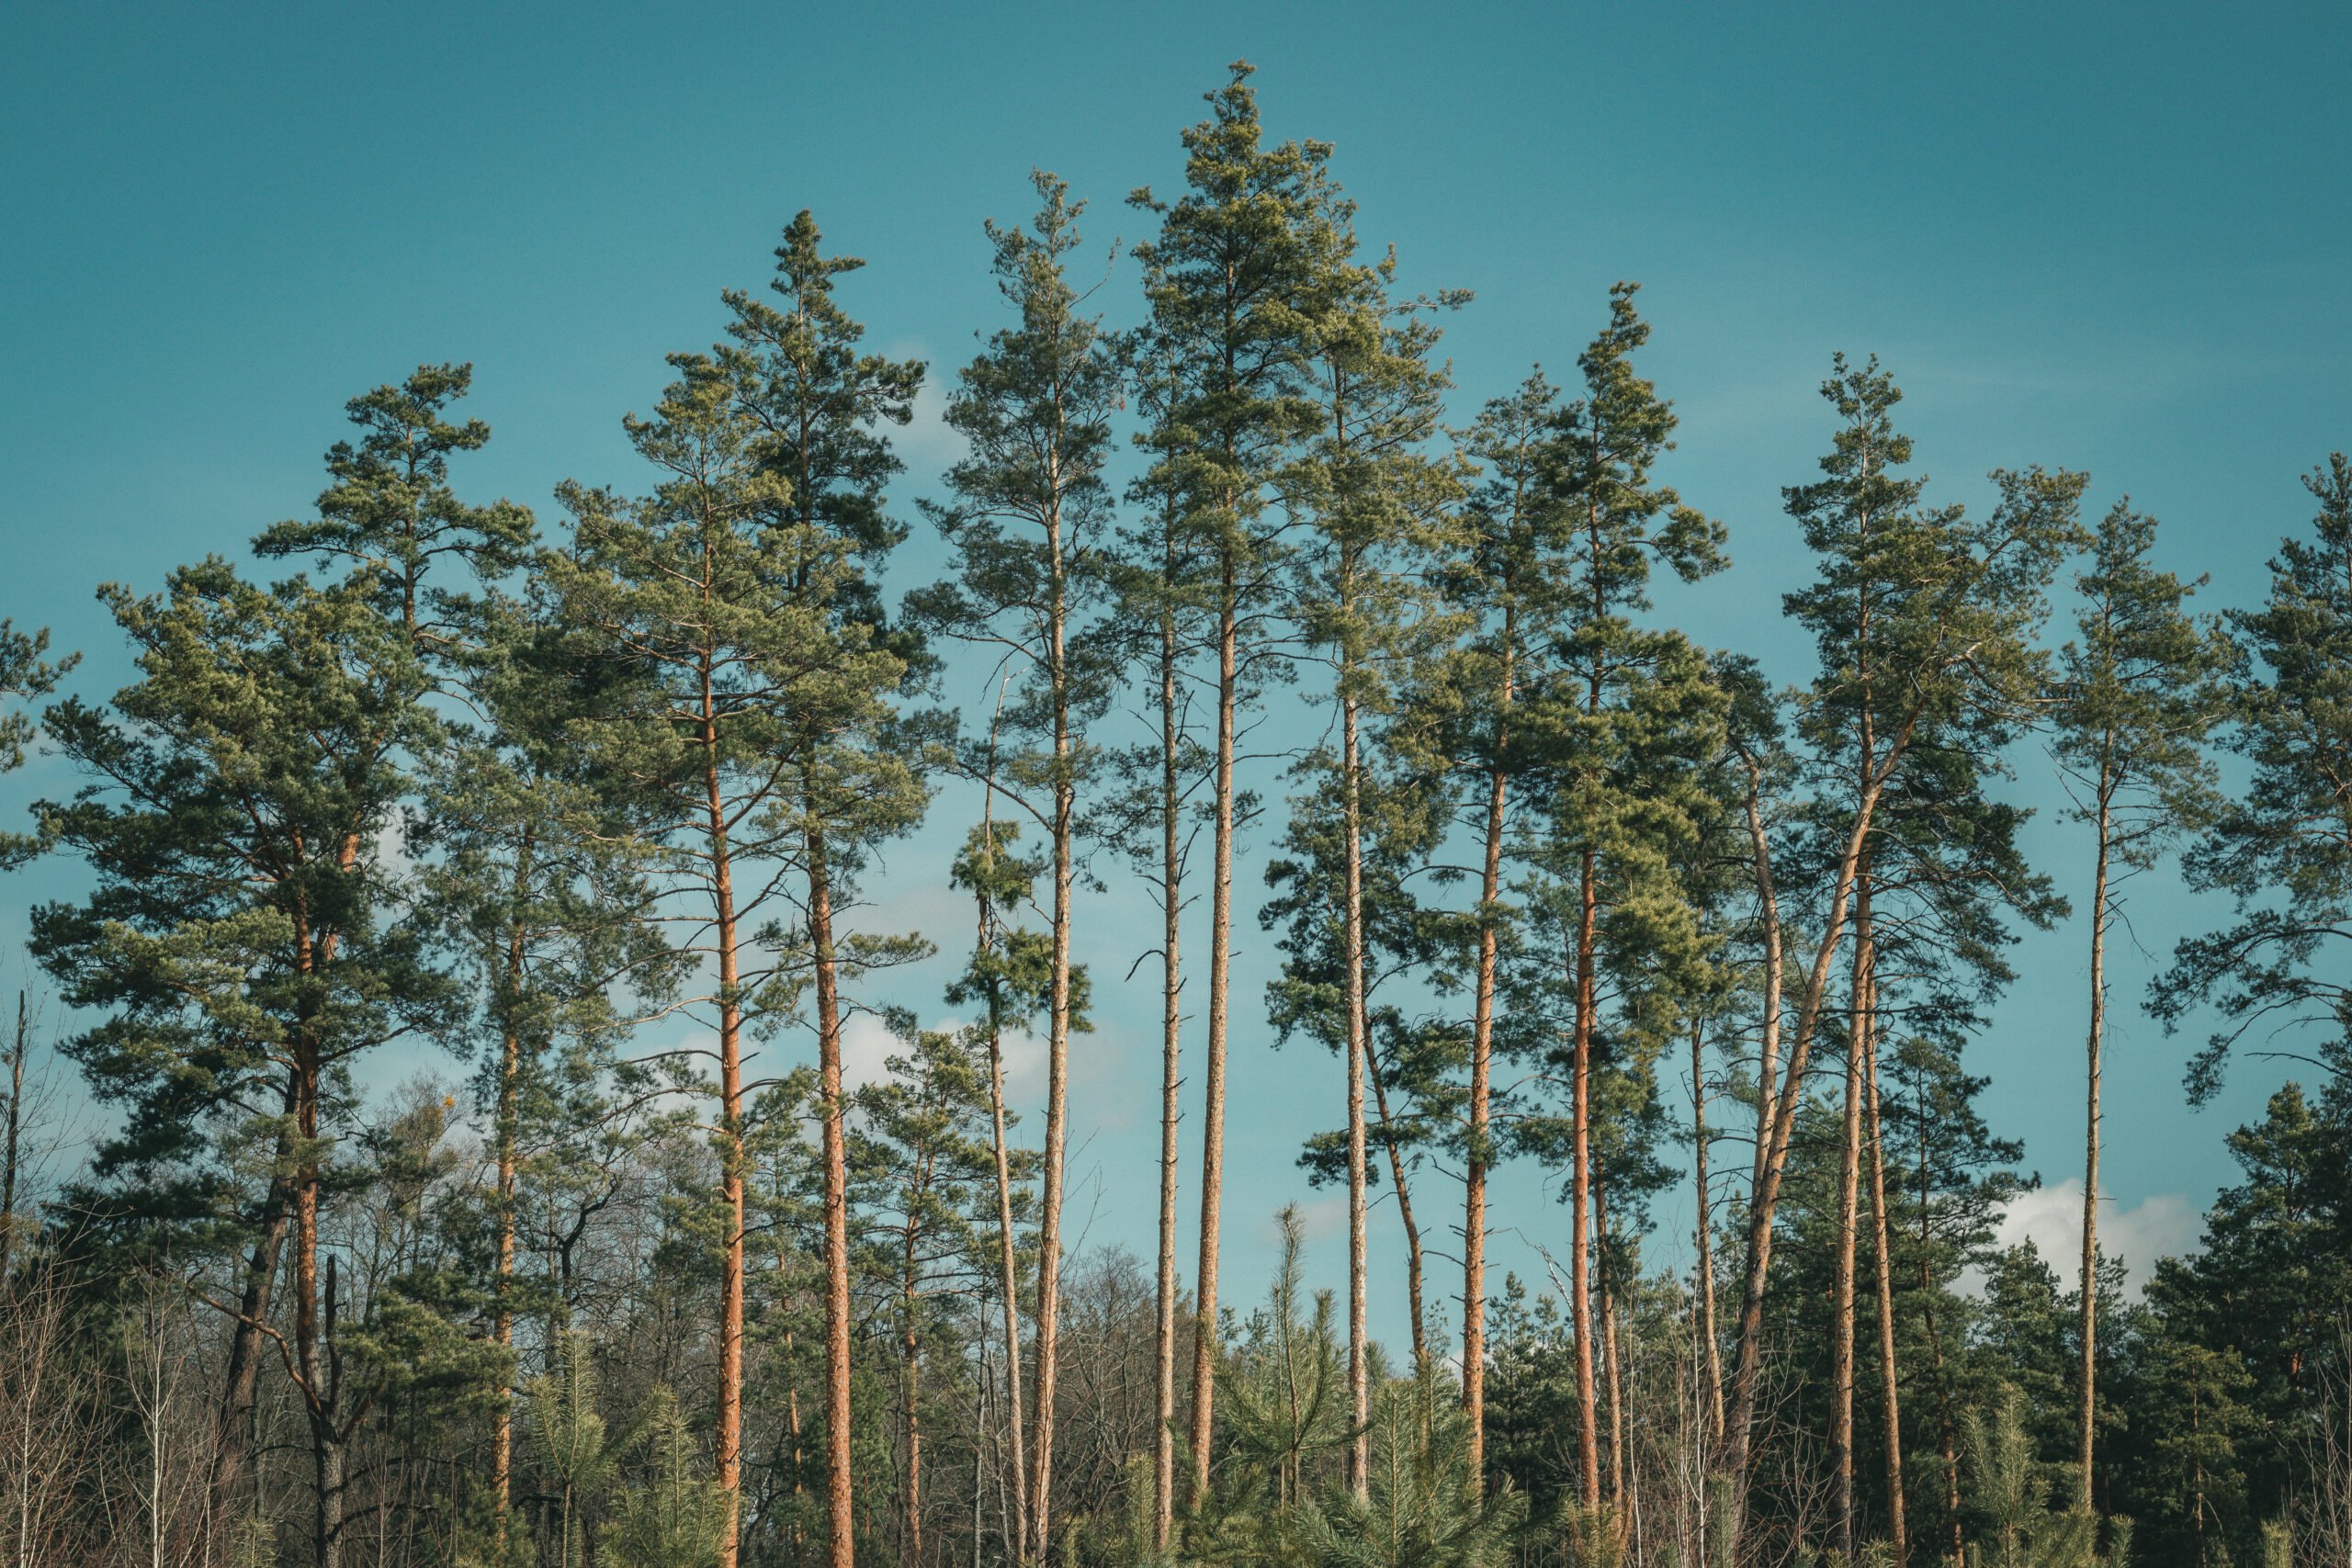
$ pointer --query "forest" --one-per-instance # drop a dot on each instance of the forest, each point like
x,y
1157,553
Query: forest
x,y
475,902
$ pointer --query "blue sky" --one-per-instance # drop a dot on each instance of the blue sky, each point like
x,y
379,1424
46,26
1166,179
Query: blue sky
x,y
2107,237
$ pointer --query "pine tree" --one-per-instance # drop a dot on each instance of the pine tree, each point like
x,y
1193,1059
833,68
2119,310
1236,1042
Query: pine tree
x,y
816,401
1158,606
674,1518
1030,505
572,1441
706,664
1377,502
1229,279
535,873
391,519
250,936
1421,1508
2138,695
1924,619
1607,725
2294,725
1511,578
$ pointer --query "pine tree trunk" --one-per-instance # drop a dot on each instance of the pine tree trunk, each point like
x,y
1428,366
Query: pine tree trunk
x,y
1710,1351
791,1376
840,1495
1220,954
1482,1042
1359,1458
311,1358
1404,1205
15,1125
1580,1186
1947,1428
510,1077
1049,1231
1841,1306
1889,1392
1172,800
1611,1369
730,1445
1008,1260
2090,1412
911,1400
502,1439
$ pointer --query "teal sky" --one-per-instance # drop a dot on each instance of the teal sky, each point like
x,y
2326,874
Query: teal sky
x,y
2107,237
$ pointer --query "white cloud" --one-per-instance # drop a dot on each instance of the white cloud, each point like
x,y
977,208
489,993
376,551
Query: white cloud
x,y
1320,1218
2164,1224
867,1046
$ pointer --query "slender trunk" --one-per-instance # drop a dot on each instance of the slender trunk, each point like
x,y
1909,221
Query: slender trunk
x,y
1710,1352
1404,1205
1767,914
1482,1042
1049,1229
16,1124
509,1079
1947,1426
1581,1184
910,1399
730,1444
1610,1368
840,1499
1359,1458
313,1356
1172,904
1220,954
2088,1417
1890,1392
1841,1306
1008,1266
791,1373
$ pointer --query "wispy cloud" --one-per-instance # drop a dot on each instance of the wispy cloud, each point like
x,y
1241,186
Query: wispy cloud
x,y
2163,1225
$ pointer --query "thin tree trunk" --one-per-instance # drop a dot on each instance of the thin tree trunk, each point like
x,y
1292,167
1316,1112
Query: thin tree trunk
x,y
2088,1418
1359,1458
1841,1305
1890,1392
16,1124
1580,1180
1711,1351
839,1497
1947,1428
730,1444
1049,1229
911,1400
1220,954
1163,1467
1482,1042
1404,1205
510,1077
791,1374
1610,1370
1008,1265
311,1358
